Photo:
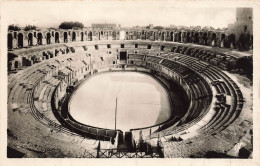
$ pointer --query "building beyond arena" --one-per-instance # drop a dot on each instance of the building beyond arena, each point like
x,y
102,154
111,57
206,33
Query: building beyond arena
x,y
207,78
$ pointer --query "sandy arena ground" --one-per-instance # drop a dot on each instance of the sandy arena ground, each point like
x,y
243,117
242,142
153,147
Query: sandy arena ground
x,y
141,101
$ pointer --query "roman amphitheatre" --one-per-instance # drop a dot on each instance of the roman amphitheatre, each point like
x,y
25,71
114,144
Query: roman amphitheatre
x,y
112,92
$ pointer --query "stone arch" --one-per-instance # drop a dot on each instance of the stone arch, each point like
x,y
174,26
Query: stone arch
x,y
48,38
81,36
20,40
39,38
114,35
223,36
73,36
232,39
171,36
147,35
242,41
188,37
57,37
86,35
192,36
90,36
183,34
223,40
30,39
196,37
65,37
16,64
179,36
162,36
175,36
106,35
213,36
205,37
10,41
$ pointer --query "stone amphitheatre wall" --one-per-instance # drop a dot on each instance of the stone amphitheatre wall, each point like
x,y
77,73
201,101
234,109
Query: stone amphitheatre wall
x,y
215,99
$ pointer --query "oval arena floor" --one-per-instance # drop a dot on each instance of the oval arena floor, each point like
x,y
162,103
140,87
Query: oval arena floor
x,y
135,108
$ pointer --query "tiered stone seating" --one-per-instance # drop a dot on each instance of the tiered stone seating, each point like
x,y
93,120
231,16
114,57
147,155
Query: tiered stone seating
x,y
223,85
174,66
153,59
136,56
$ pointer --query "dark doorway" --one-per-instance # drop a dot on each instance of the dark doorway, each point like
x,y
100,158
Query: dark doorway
x,y
73,36
57,37
188,37
122,55
39,38
48,39
20,40
16,64
163,36
10,41
30,39
171,36
82,36
90,36
65,35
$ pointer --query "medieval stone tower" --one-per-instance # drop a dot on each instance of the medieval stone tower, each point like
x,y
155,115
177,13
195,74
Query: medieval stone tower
x,y
244,21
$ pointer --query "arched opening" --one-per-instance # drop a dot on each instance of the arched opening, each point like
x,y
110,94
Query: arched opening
x,y
57,37
159,36
171,35
82,36
188,37
242,41
65,37
90,36
86,35
223,36
73,36
232,40
179,37
48,38
205,38
183,37
39,38
153,35
175,36
114,35
146,35
107,35
196,37
20,40
223,40
192,37
10,41
30,39
213,37
162,36
16,63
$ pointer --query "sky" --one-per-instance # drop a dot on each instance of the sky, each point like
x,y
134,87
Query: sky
x,y
119,12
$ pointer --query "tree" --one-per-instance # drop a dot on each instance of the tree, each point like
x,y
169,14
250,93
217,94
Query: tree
x,y
14,28
159,28
71,25
30,27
